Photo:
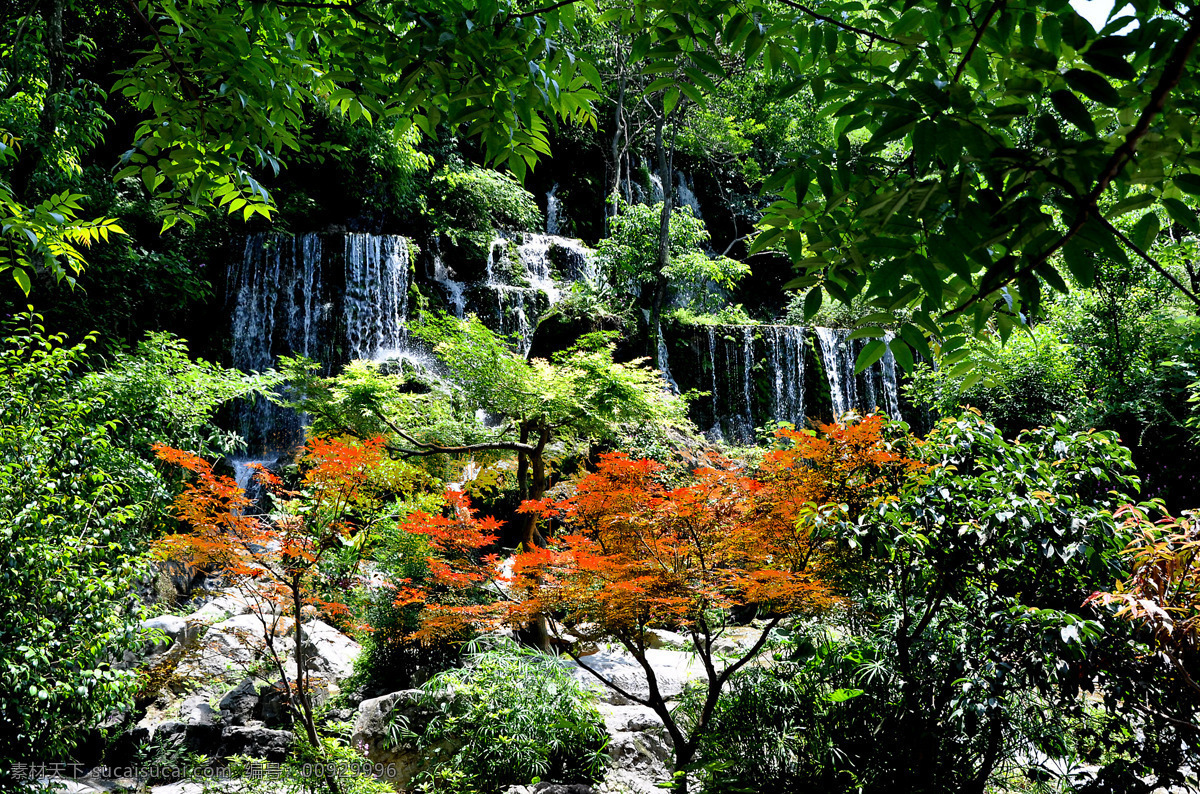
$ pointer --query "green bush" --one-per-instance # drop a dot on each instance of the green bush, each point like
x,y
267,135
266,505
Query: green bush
x,y
475,199
1023,384
965,646
630,256
70,551
515,716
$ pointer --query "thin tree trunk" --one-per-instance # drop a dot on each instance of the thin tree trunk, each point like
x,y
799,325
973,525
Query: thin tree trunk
x,y
619,129
56,82
666,164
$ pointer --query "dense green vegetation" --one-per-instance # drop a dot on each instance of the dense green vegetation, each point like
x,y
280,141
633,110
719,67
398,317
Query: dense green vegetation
x,y
997,198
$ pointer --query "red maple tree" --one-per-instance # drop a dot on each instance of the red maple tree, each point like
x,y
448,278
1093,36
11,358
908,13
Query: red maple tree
x,y
635,553
275,561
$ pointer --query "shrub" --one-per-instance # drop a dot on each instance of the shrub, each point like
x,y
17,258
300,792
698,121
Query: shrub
x,y
1025,383
479,200
515,715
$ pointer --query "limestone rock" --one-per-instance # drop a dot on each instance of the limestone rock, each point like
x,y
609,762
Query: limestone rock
x,y
672,669
329,651
195,710
375,716
256,742
239,704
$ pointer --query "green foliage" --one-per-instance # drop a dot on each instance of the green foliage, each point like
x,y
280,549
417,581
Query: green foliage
x,y
965,640
509,717
202,139
630,256
476,199
581,393
980,155
1026,383
47,236
69,545
158,394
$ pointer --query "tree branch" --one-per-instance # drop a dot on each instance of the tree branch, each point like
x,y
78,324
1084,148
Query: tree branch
x,y
836,23
1150,261
987,20
1172,73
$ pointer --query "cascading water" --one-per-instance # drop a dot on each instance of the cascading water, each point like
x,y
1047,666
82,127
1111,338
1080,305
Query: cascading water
x,y
785,356
534,253
376,296
684,196
553,211
746,360
891,389
711,332
454,289
839,369
278,305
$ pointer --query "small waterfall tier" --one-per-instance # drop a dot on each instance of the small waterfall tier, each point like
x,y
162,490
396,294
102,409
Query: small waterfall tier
x,y
330,298
758,374
522,278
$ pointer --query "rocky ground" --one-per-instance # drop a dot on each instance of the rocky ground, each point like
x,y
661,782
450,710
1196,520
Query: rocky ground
x,y
220,694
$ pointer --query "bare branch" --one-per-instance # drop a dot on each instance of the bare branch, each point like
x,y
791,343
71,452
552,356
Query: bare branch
x,y
837,23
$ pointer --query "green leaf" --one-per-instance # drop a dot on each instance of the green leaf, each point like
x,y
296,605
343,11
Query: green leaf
x,y
22,279
872,351
1188,183
1145,230
1073,110
842,695
1080,262
902,353
812,302
1182,214
1094,87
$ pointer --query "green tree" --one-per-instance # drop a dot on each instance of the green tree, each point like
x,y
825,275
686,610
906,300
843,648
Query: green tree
x,y
630,255
982,153
70,548
580,395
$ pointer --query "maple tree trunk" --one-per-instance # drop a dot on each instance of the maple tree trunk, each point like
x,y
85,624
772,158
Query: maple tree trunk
x,y
305,702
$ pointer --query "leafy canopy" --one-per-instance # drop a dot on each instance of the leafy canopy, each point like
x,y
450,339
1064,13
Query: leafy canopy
x,y
981,153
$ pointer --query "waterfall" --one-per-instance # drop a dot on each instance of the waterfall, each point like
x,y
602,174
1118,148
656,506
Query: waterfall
x,y
891,389
712,368
454,289
277,296
242,471
684,195
785,355
664,364
746,360
839,369
553,209
276,291
376,297
497,252
534,253
512,317
657,196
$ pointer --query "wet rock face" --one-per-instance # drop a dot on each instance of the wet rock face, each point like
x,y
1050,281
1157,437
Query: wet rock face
x,y
758,374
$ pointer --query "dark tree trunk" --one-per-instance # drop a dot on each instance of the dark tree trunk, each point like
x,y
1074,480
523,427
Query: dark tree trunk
x,y
58,73
666,165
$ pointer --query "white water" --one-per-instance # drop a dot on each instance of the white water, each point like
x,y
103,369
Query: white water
x,y
785,356
684,196
553,211
376,297
454,289
839,369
